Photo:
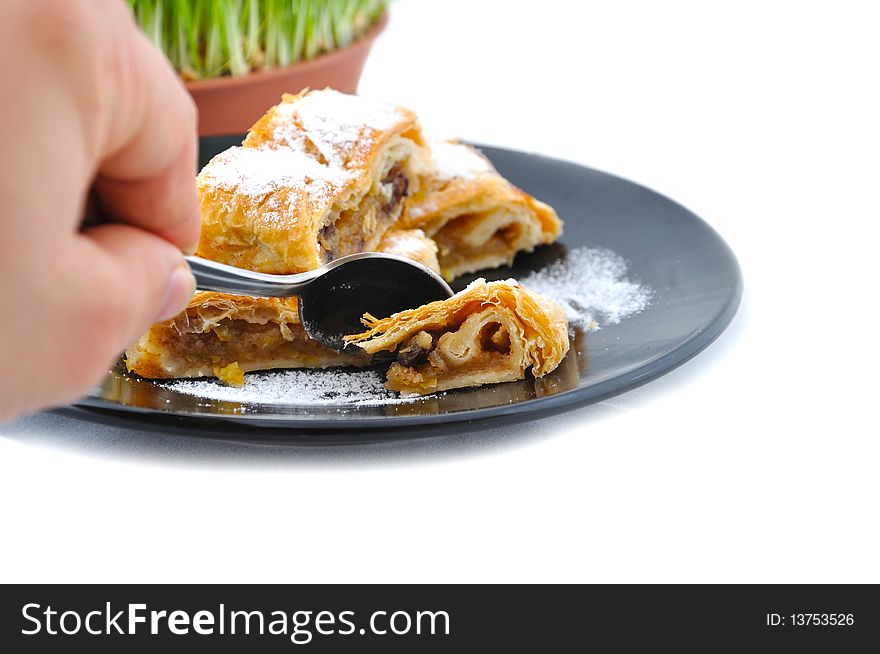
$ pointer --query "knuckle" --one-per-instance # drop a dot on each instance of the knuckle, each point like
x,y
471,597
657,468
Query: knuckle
x,y
68,26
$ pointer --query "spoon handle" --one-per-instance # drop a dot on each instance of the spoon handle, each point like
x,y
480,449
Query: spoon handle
x,y
213,276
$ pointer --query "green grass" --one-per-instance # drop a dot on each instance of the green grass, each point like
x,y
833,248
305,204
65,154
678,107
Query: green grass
x,y
210,38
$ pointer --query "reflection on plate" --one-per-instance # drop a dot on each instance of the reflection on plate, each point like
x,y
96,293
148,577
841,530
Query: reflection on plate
x,y
128,390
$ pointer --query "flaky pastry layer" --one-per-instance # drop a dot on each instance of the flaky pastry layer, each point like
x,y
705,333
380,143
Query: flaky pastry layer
x,y
488,333
478,219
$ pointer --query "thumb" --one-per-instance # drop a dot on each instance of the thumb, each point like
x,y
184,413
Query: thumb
x,y
149,280
118,280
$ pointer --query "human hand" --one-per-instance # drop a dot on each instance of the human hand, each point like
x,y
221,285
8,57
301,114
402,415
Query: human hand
x,y
88,103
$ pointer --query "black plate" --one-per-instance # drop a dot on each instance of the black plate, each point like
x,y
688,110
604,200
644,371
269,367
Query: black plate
x,y
694,276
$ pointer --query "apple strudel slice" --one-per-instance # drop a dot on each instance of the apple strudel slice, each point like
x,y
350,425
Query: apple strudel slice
x,y
223,336
488,333
478,219
321,175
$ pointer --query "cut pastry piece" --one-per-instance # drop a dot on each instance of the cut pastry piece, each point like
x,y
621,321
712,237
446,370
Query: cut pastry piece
x,y
321,175
412,244
478,219
490,332
223,336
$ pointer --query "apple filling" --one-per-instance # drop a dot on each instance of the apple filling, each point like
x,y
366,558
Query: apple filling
x,y
356,230
478,352
483,240
206,341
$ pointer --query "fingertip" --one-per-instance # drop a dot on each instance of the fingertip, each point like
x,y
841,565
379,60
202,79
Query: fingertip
x,y
143,279
178,292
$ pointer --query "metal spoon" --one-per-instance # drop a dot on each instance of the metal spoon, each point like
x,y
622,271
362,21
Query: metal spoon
x,y
333,298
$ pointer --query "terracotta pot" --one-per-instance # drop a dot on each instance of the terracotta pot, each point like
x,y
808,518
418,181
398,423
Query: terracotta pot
x,y
230,105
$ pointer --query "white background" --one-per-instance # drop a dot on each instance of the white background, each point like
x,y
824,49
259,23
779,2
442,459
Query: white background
x,y
757,461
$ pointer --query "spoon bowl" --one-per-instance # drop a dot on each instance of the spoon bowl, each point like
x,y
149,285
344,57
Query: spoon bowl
x,y
332,305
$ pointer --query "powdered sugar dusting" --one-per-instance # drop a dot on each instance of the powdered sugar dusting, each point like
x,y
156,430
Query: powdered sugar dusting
x,y
300,387
458,160
591,285
334,122
261,171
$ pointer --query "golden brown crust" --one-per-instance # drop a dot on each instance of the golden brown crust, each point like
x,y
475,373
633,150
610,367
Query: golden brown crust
x,y
488,333
264,210
478,219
